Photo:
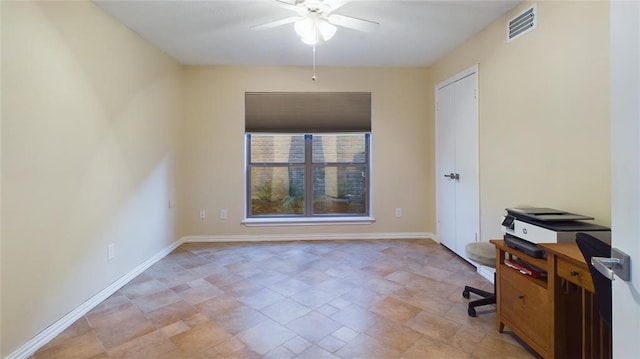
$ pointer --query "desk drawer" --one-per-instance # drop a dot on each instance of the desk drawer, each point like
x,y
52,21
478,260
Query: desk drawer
x,y
575,273
525,307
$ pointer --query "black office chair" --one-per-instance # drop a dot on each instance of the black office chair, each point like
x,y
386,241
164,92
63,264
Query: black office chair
x,y
593,247
485,254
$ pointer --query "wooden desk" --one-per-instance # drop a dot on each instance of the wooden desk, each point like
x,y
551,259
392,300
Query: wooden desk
x,y
556,316
578,328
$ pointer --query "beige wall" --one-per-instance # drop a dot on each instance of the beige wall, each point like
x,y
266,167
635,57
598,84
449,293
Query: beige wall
x,y
402,145
90,128
543,112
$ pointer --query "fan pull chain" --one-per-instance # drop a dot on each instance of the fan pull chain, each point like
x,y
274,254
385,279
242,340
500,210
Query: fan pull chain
x,y
313,78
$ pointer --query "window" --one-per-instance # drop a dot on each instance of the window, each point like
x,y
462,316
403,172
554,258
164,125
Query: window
x,y
307,157
307,175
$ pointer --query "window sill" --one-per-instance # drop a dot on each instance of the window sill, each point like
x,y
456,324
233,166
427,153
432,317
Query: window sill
x,y
266,222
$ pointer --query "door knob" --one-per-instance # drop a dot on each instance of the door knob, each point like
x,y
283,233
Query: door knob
x,y
453,176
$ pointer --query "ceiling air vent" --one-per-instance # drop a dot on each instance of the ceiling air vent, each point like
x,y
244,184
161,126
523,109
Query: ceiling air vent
x,y
522,23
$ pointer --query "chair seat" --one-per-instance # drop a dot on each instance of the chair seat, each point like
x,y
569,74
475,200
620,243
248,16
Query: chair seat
x,y
482,252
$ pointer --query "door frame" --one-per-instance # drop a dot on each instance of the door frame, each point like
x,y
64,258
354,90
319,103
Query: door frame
x,y
457,77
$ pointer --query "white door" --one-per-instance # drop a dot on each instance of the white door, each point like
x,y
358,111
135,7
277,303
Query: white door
x,y
625,181
457,189
445,165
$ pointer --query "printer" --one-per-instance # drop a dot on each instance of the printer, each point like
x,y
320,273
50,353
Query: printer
x,y
525,227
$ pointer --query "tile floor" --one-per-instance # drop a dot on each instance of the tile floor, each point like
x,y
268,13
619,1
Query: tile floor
x,y
321,299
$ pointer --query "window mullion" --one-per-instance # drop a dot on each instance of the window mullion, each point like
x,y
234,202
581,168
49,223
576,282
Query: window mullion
x,y
308,175
247,175
367,177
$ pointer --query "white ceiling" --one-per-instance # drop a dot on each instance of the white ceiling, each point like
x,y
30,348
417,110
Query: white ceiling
x,y
214,32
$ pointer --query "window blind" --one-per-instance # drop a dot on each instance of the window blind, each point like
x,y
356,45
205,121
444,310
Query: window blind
x,y
289,112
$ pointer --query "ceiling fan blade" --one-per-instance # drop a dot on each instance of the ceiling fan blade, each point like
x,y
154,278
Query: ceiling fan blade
x,y
352,22
293,7
335,5
276,23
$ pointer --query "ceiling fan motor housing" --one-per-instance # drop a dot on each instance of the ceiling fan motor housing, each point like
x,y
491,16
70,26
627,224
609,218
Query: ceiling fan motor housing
x,y
314,6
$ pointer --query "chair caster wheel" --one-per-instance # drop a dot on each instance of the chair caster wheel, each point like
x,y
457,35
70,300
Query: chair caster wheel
x,y
465,294
471,312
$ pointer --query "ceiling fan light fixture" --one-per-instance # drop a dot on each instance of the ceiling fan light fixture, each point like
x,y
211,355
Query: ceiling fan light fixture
x,y
305,27
326,29
312,28
311,40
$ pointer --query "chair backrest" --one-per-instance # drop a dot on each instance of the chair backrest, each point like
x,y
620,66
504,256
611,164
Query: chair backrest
x,y
593,247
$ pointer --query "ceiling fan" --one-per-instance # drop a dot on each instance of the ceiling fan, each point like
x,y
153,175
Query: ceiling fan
x,y
316,20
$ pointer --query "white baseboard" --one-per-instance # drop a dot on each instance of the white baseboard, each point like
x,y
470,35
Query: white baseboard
x,y
49,333
307,237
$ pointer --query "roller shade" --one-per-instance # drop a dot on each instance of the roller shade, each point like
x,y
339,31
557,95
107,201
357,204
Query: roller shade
x,y
307,112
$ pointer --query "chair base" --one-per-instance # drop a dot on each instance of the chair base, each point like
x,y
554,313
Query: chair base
x,y
488,298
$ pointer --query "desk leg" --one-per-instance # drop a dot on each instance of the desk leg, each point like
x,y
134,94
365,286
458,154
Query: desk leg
x,y
554,294
500,254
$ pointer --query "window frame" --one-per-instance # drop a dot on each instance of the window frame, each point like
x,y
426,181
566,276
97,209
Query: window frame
x,y
308,217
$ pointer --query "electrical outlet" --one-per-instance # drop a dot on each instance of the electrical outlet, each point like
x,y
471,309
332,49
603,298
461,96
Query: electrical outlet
x,y
224,214
111,251
398,212
203,215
